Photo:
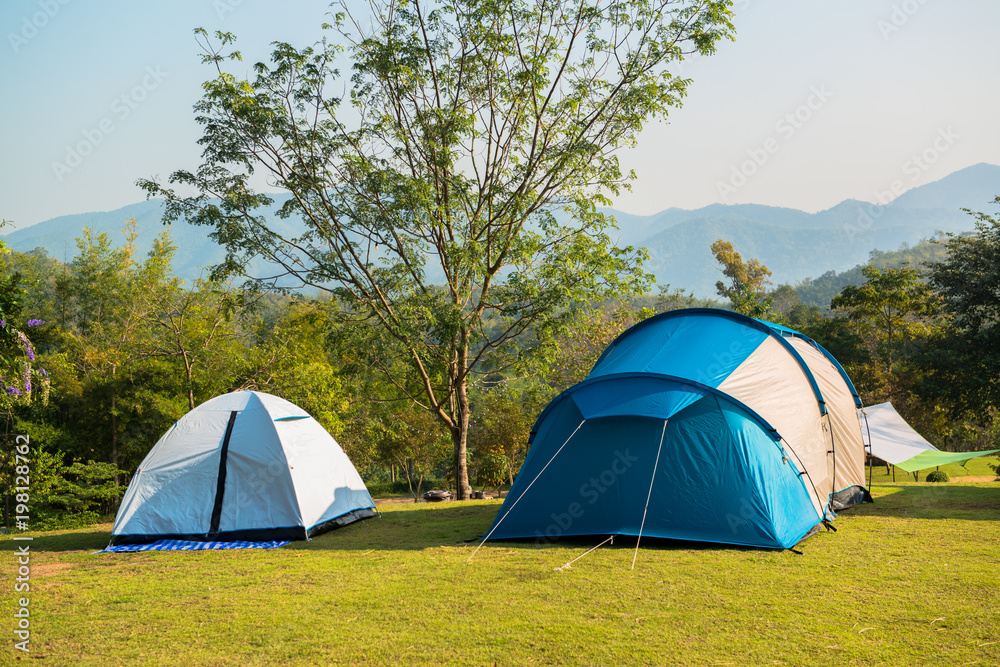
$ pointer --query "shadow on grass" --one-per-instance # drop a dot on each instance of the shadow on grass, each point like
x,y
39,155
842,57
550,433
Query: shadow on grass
x,y
934,501
464,524
410,527
77,540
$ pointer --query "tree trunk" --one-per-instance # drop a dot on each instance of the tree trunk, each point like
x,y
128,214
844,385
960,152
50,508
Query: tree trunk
x,y
460,438
190,380
459,427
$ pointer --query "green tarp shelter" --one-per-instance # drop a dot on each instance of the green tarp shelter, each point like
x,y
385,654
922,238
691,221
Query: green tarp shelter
x,y
894,441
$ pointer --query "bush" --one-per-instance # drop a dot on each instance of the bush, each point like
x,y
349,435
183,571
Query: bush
x,y
401,488
937,476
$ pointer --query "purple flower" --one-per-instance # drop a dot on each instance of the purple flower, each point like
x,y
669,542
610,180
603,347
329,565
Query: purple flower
x,y
28,349
41,371
35,323
13,391
3,323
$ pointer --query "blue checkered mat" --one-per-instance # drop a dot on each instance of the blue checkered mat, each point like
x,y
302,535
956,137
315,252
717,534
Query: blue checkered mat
x,y
182,545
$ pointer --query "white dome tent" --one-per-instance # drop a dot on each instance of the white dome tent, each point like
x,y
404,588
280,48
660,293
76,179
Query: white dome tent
x,y
242,466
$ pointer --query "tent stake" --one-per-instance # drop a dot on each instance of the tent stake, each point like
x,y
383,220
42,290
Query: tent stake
x,y
566,566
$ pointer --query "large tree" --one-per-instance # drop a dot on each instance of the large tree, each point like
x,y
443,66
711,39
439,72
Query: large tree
x,y
446,192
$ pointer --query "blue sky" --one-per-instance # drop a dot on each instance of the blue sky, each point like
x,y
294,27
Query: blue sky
x,y
815,102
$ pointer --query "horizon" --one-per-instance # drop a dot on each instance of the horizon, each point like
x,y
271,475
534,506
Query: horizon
x,y
14,228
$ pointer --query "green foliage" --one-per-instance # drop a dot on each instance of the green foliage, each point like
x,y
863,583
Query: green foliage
x,y
589,330
290,359
675,299
748,282
820,291
499,434
937,476
415,442
889,313
402,488
79,494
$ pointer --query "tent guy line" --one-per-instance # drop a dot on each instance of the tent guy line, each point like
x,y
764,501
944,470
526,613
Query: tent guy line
x,y
529,486
652,479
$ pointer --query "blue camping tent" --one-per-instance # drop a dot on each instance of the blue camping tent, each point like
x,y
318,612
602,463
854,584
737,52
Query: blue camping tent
x,y
697,424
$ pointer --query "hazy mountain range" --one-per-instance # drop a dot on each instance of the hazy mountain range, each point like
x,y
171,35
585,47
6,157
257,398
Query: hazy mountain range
x,y
794,244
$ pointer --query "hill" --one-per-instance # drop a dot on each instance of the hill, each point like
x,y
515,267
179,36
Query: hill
x,y
819,291
794,244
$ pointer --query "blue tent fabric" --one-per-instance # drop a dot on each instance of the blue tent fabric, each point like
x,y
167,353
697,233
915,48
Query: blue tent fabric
x,y
186,545
703,349
660,398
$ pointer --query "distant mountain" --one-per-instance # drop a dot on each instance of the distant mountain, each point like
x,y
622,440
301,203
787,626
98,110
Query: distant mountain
x,y
821,290
973,188
793,244
796,245
196,253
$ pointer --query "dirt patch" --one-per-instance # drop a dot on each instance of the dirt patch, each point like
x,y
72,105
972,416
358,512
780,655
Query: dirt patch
x,y
45,569
974,478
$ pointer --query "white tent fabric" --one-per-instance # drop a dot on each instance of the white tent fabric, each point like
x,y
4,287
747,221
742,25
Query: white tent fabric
x,y
243,466
889,436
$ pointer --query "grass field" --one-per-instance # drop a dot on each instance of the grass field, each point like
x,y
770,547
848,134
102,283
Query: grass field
x,y
909,580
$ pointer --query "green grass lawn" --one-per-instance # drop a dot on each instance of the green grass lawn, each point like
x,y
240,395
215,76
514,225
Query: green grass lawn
x,y
909,580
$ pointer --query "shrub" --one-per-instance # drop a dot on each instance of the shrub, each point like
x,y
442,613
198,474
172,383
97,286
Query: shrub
x,y
401,488
937,476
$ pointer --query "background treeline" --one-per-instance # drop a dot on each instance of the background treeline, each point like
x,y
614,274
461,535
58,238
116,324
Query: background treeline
x,y
103,353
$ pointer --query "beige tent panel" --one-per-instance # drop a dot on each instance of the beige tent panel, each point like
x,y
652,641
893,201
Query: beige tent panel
x,y
845,427
765,383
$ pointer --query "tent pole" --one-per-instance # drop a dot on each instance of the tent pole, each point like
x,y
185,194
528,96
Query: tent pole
x,y
525,492
868,446
649,494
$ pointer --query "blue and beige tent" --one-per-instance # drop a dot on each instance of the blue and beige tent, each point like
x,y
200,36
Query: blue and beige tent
x,y
696,424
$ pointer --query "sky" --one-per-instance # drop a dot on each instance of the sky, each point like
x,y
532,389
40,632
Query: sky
x,y
813,102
